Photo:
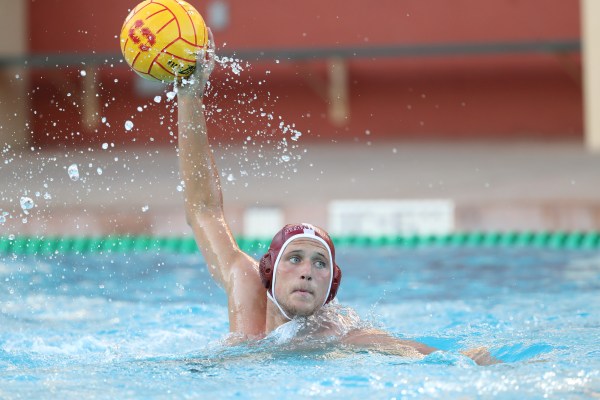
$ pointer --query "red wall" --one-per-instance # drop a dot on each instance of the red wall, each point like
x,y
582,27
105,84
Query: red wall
x,y
458,96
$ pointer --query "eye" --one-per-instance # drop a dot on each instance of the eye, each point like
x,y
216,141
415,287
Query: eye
x,y
294,259
320,264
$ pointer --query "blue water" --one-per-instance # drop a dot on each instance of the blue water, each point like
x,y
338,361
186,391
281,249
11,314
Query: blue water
x,y
152,325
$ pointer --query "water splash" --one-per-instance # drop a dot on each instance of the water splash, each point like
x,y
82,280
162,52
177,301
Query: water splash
x,y
73,172
26,204
331,322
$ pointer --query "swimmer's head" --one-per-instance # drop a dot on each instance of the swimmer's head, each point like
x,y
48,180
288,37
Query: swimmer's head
x,y
299,270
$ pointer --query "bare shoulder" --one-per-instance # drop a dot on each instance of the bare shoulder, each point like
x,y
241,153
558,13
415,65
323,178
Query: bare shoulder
x,y
236,271
247,298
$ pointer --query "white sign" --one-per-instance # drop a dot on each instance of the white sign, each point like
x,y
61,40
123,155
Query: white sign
x,y
262,222
390,217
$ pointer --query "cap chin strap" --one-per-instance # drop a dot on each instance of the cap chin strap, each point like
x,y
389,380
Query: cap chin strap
x,y
308,233
277,304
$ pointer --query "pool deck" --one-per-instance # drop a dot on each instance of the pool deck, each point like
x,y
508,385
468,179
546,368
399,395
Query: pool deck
x,y
493,186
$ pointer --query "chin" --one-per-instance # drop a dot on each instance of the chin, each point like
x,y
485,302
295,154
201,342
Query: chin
x,y
302,313
302,310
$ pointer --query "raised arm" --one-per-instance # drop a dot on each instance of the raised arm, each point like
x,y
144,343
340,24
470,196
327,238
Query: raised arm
x,y
203,197
233,269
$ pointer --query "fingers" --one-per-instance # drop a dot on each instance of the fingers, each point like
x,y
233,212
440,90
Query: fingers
x,y
211,40
200,56
210,51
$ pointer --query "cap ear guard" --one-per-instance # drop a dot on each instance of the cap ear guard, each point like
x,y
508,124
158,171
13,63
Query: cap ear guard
x,y
265,268
335,283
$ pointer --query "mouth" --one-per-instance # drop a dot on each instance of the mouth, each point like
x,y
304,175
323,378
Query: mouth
x,y
303,291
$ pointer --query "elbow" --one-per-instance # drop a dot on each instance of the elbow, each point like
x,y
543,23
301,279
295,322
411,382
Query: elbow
x,y
196,213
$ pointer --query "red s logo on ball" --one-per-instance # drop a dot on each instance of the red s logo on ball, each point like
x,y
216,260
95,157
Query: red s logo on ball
x,y
138,26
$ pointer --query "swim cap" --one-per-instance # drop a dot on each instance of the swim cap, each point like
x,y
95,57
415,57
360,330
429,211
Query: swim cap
x,y
268,263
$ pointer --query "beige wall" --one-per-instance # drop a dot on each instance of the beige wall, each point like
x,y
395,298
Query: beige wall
x,y
590,18
13,90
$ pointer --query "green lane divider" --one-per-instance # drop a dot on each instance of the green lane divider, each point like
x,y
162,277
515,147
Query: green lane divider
x,y
48,245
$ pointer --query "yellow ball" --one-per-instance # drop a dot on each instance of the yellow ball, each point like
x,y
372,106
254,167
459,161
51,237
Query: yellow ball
x,y
160,39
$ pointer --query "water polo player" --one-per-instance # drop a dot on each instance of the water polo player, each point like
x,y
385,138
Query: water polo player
x,y
297,276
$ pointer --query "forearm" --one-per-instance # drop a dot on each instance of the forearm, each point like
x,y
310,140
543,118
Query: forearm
x,y
197,165
380,341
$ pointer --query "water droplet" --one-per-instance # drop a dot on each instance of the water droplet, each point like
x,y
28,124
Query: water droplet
x,y
104,146
82,73
99,171
73,172
171,95
140,109
157,99
11,237
285,158
128,125
47,196
26,203
145,208
179,188
230,178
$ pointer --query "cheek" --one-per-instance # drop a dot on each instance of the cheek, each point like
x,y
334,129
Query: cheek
x,y
324,273
281,281
323,277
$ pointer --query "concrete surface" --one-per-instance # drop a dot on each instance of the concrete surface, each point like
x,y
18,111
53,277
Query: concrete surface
x,y
494,186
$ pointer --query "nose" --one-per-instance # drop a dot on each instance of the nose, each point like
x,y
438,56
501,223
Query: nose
x,y
306,271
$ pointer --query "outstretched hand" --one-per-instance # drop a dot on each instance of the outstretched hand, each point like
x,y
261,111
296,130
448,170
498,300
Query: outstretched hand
x,y
196,84
481,356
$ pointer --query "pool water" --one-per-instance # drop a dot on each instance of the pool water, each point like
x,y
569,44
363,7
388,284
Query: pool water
x,y
152,326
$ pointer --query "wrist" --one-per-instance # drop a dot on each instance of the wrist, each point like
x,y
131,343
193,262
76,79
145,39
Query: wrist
x,y
190,95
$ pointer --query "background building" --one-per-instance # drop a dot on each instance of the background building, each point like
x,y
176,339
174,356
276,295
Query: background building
x,y
368,76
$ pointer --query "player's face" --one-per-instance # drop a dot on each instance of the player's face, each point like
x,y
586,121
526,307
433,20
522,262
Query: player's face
x,y
303,275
